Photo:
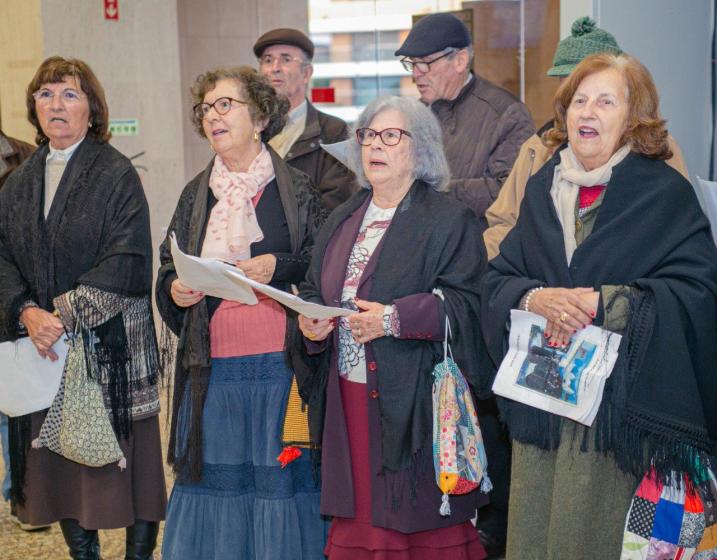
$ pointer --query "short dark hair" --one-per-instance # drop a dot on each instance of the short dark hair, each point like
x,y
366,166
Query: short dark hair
x,y
263,101
645,129
54,70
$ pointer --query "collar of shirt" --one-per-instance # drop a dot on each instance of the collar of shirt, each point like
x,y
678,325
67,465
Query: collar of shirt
x,y
298,113
65,154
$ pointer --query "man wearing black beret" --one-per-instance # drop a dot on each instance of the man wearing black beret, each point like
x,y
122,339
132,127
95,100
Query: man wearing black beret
x,y
483,129
285,58
483,124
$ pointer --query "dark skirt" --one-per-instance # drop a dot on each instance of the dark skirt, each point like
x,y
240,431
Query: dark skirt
x,y
356,538
99,498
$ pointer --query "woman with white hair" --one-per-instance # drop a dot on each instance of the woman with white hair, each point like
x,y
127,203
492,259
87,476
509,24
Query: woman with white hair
x,y
367,377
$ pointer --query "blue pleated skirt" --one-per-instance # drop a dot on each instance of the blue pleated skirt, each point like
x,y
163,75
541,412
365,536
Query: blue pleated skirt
x,y
246,506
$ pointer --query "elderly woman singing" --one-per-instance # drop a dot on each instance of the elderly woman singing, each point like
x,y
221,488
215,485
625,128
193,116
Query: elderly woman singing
x,y
609,235
232,499
75,238
368,376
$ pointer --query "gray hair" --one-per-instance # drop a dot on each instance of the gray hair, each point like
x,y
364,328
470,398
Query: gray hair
x,y
429,159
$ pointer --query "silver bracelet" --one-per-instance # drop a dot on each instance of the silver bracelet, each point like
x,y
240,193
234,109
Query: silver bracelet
x,y
27,305
529,296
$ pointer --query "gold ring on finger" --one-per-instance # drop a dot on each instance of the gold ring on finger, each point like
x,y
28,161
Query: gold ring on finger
x,y
563,317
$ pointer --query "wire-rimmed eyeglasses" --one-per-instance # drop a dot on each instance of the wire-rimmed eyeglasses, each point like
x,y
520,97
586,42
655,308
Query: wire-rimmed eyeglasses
x,y
46,96
389,136
423,66
283,59
222,106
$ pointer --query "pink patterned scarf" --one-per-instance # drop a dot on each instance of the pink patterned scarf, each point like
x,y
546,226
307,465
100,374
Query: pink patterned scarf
x,y
233,226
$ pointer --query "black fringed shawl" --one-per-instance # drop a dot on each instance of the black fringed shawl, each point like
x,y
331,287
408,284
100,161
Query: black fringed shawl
x,y
304,215
433,242
660,404
96,235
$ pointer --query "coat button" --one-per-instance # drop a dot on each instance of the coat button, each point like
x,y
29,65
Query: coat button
x,y
372,366
373,393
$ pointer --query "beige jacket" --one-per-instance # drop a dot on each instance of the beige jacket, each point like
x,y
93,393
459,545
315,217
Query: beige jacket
x,y
503,213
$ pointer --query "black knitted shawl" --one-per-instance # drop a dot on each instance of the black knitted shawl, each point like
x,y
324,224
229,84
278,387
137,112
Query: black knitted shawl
x,y
433,241
97,234
660,404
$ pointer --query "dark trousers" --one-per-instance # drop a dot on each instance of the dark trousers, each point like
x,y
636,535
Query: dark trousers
x,y
493,517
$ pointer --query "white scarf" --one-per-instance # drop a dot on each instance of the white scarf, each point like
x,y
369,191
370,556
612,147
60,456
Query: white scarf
x,y
232,225
569,176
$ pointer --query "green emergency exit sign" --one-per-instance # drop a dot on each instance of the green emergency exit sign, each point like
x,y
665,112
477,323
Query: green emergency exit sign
x,y
124,127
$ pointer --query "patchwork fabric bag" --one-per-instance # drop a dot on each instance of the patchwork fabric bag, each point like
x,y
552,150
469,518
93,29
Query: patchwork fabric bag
x,y
77,425
674,521
459,457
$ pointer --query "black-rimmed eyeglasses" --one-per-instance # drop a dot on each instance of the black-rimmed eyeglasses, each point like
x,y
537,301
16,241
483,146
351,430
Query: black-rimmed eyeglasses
x,y
222,106
423,66
389,136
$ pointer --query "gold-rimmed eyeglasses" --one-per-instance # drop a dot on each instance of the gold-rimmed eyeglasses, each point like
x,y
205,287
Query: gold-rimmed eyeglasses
x,y
222,106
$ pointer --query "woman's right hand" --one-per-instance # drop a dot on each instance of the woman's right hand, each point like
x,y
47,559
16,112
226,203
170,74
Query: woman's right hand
x,y
316,330
566,309
44,330
183,296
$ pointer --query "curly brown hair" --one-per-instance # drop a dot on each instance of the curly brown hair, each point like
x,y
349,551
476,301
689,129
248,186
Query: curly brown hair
x,y
53,71
645,128
262,101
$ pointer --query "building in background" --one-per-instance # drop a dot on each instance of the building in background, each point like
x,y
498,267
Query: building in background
x,y
355,41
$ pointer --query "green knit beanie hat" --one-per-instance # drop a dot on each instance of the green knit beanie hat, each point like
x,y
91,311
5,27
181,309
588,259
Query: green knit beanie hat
x,y
586,38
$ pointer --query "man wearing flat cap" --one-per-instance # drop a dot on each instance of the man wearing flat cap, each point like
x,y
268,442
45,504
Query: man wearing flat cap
x,y
285,58
483,124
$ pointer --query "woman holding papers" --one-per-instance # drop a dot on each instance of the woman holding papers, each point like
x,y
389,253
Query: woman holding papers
x,y
75,238
367,377
608,235
232,499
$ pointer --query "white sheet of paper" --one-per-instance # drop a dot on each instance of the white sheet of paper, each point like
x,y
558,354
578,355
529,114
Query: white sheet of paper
x,y
338,150
707,195
28,383
568,382
207,276
308,309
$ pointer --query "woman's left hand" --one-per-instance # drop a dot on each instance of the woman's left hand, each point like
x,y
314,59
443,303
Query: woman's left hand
x,y
367,325
260,269
560,334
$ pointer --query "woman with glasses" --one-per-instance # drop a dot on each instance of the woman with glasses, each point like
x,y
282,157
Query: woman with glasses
x,y
76,262
232,498
367,377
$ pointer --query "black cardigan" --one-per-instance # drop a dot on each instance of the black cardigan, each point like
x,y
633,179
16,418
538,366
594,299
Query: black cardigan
x,y
660,403
303,215
433,241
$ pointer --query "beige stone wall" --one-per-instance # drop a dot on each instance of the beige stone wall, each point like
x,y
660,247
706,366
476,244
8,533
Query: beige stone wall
x,y
222,33
137,61
20,55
